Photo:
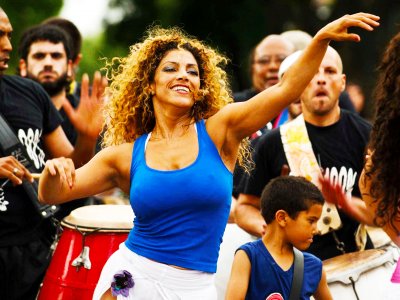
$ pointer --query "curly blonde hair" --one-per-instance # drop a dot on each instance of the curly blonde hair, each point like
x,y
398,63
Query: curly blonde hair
x,y
129,112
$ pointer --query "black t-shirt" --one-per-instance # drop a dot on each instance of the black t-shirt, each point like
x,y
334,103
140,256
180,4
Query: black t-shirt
x,y
30,112
66,125
239,176
239,173
338,148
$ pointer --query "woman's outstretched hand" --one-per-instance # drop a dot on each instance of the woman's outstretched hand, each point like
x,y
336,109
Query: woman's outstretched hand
x,y
63,168
338,29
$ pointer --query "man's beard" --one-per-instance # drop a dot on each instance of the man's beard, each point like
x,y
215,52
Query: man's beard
x,y
55,87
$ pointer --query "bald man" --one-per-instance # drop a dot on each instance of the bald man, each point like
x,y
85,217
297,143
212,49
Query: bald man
x,y
338,139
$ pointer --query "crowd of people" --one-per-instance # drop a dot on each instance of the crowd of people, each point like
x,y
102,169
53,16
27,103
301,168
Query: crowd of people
x,y
175,139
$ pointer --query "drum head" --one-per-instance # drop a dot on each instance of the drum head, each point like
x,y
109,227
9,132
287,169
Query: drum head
x,y
102,217
341,268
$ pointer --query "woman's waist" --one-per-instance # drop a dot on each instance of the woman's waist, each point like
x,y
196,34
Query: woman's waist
x,y
161,266
178,254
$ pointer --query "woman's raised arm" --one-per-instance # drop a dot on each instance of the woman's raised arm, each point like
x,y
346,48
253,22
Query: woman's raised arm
x,y
242,119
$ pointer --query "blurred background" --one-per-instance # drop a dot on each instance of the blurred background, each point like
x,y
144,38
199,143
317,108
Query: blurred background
x,y
234,27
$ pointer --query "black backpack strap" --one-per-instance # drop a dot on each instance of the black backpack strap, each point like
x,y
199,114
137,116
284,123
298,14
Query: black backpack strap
x,y
10,145
297,281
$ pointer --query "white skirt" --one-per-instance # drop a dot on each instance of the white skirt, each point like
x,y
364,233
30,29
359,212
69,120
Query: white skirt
x,y
153,280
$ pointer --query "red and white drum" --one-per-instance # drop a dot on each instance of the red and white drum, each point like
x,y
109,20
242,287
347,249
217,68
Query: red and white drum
x,y
90,235
363,275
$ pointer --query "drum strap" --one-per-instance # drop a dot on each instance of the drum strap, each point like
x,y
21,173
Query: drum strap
x,y
302,162
297,281
11,145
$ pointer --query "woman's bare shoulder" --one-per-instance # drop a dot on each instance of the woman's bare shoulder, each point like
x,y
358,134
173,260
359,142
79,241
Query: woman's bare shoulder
x,y
118,148
116,153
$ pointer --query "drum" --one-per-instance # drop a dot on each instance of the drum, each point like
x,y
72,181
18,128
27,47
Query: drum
x,y
379,238
363,275
90,235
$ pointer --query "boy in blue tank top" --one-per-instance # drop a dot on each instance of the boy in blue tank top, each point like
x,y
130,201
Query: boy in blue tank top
x,y
263,269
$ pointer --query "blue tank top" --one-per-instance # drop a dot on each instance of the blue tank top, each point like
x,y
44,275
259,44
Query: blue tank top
x,y
268,279
180,215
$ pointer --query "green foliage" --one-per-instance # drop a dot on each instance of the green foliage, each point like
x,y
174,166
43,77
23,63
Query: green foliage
x,y
26,13
94,52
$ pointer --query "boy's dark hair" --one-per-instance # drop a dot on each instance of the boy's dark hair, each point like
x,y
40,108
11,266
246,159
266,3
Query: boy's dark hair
x,y
292,194
43,32
73,32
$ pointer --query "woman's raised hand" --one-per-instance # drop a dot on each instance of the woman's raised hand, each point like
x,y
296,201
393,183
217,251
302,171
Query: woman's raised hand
x,y
338,29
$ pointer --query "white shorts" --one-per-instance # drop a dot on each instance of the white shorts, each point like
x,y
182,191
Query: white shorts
x,y
153,280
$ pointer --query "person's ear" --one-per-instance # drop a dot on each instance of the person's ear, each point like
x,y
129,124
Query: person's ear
x,y
152,89
69,68
77,60
22,67
281,217
343,82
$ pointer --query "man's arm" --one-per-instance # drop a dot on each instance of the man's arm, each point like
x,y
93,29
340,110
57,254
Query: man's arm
x,y
231,218
248,216
57,145
247,210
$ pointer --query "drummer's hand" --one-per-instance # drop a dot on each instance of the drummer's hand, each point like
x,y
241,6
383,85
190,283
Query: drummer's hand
x,y
337,30
63,167
13,170
333,193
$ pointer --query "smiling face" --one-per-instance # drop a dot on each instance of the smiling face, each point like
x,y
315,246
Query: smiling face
x,y
300,231
5,41
321,96
176,80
